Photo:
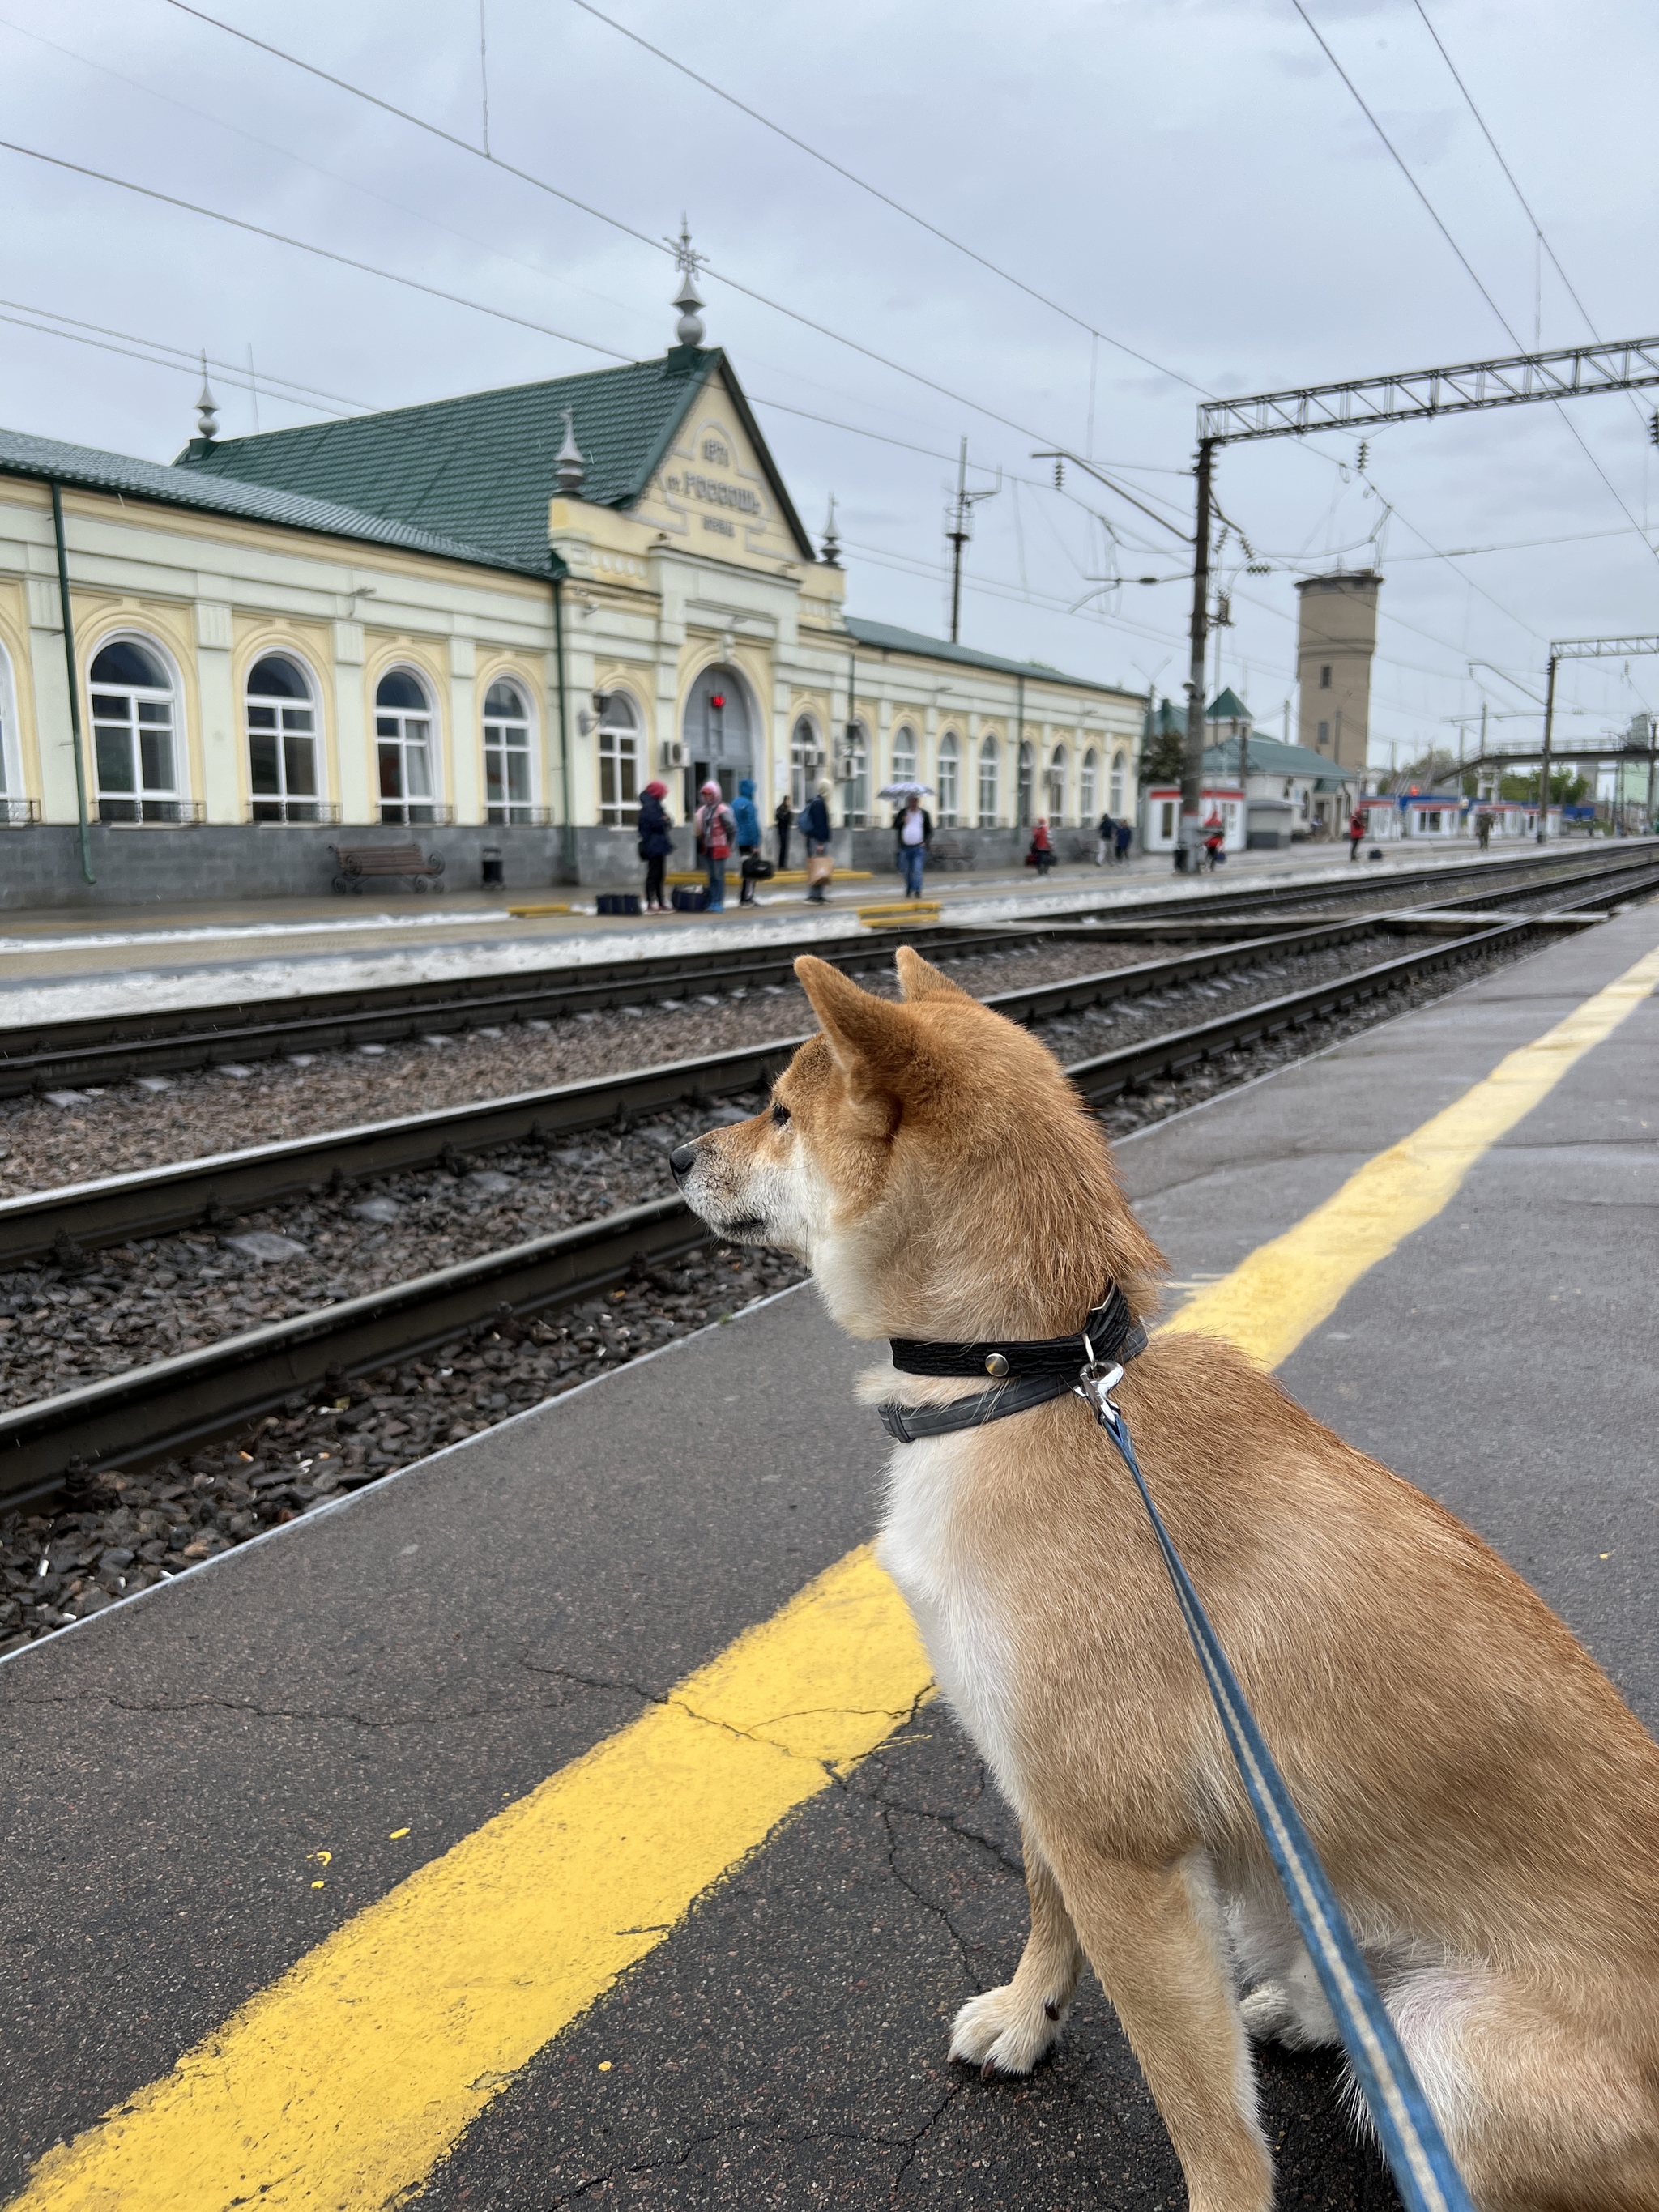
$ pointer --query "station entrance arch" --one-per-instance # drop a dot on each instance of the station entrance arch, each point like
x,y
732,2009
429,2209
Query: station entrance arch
x,y
718,742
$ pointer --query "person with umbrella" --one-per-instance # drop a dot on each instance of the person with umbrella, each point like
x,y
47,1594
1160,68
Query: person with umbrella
x,y
912,826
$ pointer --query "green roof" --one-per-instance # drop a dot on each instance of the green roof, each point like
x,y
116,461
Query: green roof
x,y
1228,707
1272,756
483,467
884,637
87,469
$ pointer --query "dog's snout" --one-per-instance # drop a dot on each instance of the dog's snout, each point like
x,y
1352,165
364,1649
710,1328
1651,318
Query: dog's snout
x,y
681,1157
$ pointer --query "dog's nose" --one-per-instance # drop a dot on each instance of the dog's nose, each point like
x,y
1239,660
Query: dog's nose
x,y
681,1157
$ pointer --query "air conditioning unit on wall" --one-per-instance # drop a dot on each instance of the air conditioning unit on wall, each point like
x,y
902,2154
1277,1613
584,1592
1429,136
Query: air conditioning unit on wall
x,y
845,771
674,753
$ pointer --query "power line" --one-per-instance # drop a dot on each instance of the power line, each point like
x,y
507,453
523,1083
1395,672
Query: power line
x,y
231,372
898,206
1399,163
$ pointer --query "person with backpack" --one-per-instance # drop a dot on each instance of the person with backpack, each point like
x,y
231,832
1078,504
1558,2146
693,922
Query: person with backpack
x,y
656,843
815,834
717,833
746,815
1105,840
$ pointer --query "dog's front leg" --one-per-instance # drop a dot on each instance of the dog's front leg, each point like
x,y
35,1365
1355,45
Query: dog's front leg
x,y
1007,2030
1153,1934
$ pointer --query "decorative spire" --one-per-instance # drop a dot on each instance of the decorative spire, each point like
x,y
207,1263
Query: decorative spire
x,y
207,412
689,329
831,542
571,467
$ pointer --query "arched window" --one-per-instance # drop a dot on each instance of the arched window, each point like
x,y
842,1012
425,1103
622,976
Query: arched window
x,y
950,795
509,777
988,784
718,744
1026,796
855,779
1086,791
402,739
904,754
619,761
1120,781
281,744
806,757
1057,787
133,735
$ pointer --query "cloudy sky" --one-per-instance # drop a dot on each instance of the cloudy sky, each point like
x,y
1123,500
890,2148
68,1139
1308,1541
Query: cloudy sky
x,y
1197,196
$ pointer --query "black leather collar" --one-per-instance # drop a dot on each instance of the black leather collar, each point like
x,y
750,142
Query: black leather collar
x,y
1024,1374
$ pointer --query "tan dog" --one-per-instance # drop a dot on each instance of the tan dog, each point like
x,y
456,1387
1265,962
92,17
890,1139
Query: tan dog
x,y
1484,1802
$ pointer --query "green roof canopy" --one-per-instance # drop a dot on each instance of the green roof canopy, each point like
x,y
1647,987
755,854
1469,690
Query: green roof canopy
x,y
884,637
482,467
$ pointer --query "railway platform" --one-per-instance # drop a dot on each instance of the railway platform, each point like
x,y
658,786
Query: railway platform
x,y
565,1818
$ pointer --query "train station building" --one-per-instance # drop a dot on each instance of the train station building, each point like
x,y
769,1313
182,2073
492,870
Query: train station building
x,y
484,621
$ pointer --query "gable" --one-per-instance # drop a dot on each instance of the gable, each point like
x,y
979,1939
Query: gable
x,y
715,490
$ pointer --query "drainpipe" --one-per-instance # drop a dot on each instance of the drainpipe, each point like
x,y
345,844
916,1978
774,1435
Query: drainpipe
x,y
1019,740
73,681
567,836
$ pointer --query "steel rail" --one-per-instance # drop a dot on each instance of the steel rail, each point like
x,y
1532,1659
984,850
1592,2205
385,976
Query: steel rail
x,y
100,1049
173,1402
158,1200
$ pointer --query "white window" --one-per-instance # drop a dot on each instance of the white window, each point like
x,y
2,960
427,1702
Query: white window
x,y
1026,796
1057,787
1166,821
133,735
283,784
509,775
1119,781
904,754
806,756
949,791
16,810
988,784
1087,788
619,761
402,741
856,784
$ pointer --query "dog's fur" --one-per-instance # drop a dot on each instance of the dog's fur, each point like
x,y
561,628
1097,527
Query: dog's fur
x,y
1485,1803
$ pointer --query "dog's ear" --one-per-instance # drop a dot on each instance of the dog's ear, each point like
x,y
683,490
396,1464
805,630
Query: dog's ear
x,y
919,980
870,1037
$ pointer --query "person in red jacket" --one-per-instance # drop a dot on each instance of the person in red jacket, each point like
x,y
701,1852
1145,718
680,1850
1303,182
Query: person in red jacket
x,y
1356,833
1043,850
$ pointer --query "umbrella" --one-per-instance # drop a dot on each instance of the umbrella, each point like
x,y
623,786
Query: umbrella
x,y
908,789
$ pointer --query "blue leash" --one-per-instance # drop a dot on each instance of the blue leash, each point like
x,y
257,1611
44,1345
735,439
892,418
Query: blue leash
x,y
1416,2151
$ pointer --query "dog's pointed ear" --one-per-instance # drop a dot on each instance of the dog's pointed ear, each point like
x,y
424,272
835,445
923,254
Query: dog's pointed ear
x,y
868,1036
918,979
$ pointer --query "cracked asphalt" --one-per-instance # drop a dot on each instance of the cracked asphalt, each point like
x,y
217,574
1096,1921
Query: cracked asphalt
x,y
203,1783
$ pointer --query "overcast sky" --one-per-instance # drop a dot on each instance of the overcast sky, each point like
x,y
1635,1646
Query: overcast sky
x,y
1190,179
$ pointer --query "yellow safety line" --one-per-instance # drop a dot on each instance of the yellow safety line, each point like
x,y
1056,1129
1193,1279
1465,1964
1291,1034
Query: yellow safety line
x,y
1286,1288
343,2083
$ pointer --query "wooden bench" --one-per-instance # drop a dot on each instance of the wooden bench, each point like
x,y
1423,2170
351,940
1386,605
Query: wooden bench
x,y
358,863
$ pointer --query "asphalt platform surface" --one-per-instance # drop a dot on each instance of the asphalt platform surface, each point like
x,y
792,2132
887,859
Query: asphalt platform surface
x,y
441,1642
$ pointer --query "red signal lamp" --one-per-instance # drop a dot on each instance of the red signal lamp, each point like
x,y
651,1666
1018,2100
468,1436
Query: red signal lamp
x,y
717,699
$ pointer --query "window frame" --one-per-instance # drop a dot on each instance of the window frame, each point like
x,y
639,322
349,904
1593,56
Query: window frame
x,y
803,765
947,771
1118,781
1088,786
855,789
618,746
989,758
283,800
147,802
11,741
1057,774
503,813
912,773
408,810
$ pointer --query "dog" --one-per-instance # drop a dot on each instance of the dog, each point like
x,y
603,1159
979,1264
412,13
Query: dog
x,y
1485,1803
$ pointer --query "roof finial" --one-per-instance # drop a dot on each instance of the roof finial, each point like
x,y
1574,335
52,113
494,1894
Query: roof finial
x,y
831,542
207,412
572,468
689,329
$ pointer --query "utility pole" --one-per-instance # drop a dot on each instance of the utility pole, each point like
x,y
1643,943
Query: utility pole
x,y
960,529
1191,842
1544,766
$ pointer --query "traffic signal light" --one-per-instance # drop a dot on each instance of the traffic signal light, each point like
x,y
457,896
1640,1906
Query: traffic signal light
x,y
1653,427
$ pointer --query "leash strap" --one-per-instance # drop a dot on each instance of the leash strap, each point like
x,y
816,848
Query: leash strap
x,y
1416,2151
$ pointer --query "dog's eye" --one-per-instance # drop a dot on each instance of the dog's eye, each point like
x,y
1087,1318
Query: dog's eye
x,y
779,1114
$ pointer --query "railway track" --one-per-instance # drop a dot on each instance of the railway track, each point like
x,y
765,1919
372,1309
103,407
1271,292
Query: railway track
x,y
167,1404
97,1051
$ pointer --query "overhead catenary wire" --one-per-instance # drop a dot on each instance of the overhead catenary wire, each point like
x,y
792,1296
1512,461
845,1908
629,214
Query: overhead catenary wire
x,y
233,372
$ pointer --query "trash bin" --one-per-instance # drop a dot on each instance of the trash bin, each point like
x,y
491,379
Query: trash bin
x,y
493,877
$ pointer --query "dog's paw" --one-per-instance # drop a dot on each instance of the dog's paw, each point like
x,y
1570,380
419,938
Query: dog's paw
x,y
1281,2012
1001,2033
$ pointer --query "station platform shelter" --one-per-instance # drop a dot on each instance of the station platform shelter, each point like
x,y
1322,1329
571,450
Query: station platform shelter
x,y
567,1818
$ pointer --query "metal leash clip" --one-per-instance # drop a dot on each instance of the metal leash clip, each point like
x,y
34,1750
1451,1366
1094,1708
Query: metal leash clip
x,y
1096,1384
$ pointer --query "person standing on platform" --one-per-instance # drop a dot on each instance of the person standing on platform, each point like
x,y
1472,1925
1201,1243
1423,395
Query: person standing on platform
x,y
1125,835
1105,841
1043,850
1483,829
914,826
784,820
656,843
1356,833
746,815
1215,841
815,835
717,832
